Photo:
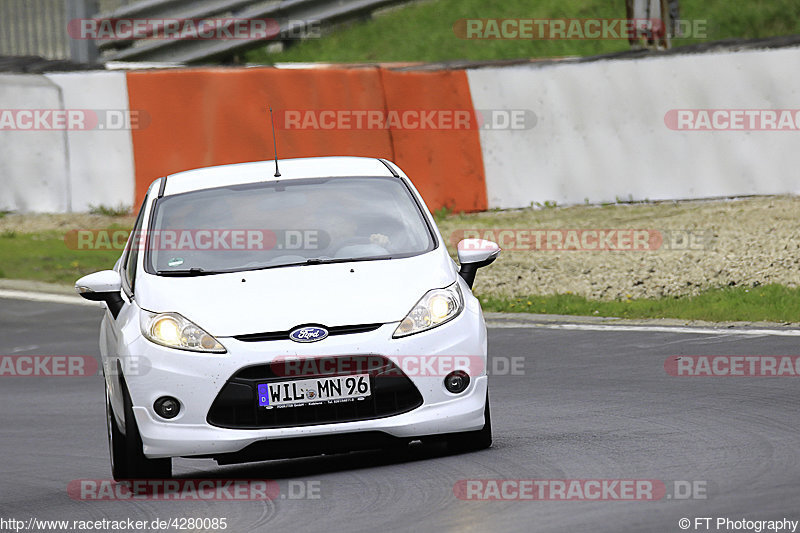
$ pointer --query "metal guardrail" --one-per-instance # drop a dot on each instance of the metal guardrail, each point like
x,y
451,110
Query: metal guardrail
x,y
292,16
39,27
33,28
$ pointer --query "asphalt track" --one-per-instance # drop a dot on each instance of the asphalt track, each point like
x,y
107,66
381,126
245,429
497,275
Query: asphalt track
x,y
587,405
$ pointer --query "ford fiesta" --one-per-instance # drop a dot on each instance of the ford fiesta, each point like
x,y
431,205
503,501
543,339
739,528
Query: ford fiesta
x,y
257,314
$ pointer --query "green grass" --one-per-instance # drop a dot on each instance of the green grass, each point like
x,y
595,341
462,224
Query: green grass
x,y
774,303
110,211
441,214
45,257
424,31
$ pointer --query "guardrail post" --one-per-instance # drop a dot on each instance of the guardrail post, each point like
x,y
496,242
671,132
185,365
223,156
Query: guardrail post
x,y
81,50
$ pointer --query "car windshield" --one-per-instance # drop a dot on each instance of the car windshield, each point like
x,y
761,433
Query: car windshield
x,y
281,223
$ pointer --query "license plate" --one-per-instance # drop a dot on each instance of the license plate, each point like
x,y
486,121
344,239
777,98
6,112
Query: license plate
x,y
302,391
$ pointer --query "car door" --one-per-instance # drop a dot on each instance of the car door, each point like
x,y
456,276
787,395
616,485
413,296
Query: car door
x,y
111,341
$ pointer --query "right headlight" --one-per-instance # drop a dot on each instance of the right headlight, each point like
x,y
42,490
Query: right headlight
x,y
175,331
434,309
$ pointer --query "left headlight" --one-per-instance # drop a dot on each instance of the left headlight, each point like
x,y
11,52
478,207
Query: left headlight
x,y
175,331
434,309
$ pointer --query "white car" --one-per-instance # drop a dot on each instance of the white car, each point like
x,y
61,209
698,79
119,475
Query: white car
x,y
257,315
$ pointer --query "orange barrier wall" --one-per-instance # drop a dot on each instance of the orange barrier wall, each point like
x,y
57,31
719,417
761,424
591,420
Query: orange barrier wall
x,y
201,117
445,165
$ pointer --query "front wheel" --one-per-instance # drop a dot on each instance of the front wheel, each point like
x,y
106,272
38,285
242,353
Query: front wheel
x,y
126,451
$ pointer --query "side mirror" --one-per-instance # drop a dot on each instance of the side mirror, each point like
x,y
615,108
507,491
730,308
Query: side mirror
x,y
474,254
103,286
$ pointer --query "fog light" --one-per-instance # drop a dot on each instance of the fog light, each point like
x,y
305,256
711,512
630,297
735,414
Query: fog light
x,y
167,407
456,382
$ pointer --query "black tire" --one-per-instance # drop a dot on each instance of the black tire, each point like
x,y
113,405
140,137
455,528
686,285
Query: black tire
x,y
126,450
472,441
116,442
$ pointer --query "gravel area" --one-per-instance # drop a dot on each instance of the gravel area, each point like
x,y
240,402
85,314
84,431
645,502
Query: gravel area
x,y
34,223
717,243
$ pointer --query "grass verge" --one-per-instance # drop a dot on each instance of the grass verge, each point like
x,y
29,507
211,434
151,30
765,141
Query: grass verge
x,y
424,31
772,303
43,256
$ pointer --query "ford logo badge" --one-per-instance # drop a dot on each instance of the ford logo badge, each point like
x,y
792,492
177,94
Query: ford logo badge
x,y
308,334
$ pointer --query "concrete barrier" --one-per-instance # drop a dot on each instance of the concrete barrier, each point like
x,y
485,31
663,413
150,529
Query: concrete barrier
x,y
34,167
601,132
100,160
604,130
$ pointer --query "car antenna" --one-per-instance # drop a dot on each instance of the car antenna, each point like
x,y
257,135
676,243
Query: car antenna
x,y
274,143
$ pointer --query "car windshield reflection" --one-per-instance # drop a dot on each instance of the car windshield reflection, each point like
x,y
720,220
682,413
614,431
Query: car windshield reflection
x,y
285,223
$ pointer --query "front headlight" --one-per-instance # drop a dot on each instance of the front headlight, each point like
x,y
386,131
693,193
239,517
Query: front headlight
x,y
434,309
175,331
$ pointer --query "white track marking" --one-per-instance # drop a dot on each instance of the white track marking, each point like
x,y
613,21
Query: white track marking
x,y
650,329
47,297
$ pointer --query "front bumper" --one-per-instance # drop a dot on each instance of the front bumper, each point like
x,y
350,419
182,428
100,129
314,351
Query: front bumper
x,y
196,380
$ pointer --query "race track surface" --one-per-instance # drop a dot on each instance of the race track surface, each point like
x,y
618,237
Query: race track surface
x,y
586,405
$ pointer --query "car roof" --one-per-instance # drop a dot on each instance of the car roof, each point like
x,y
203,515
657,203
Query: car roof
x,y
290,169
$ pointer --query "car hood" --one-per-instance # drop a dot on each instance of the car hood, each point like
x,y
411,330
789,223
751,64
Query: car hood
x,y
279,299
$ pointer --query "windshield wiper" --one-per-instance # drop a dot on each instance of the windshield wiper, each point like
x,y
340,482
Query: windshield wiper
x,y
196,271
187,272
328,260
319,261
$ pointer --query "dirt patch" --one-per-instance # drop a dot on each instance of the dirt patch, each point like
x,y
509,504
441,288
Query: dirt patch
x,y
745,242
35,223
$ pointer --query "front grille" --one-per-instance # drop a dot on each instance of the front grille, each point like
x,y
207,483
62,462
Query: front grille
x,y
284,335
236,406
